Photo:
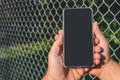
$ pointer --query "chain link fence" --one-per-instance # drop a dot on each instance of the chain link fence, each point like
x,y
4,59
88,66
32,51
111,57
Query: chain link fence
x,y
27,29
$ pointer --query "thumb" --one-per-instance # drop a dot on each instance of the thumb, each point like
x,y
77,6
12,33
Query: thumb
x,y
59,41
97,32
56,47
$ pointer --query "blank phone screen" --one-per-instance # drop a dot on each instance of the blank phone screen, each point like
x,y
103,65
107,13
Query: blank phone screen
x,y
78,44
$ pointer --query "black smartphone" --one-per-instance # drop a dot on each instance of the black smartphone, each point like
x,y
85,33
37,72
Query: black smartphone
x,y
78,43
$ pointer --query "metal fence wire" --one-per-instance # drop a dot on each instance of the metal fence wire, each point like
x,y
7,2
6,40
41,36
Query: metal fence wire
x,y
27,29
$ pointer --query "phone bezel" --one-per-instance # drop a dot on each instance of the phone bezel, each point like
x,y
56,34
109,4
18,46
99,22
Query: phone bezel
x,y
64,38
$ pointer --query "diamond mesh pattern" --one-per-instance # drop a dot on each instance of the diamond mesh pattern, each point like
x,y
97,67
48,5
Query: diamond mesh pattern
x,y
27,29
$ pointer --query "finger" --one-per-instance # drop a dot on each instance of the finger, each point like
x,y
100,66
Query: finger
x,y
98,32
97,49
60,38
76,74
70,75
81,71
97,56
60,32
96,41
55,50
56,36
86,69
96,61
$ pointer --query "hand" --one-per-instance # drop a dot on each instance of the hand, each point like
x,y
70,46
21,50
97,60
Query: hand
x,y
105,54
56,69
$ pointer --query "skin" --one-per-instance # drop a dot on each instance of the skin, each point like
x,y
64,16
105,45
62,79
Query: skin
x,y
56,69
105,53
104,67
108,69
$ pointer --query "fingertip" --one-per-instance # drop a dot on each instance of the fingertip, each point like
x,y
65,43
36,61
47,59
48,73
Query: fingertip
x,y
56,36
93,65
95,28
96,62
86,69
97,49
96,23
60,31
97,56
96,41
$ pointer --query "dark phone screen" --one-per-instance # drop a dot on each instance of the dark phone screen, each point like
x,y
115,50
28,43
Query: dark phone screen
x,y
78,46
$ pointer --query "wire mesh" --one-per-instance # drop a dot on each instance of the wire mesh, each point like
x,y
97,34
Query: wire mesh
x,y
27,29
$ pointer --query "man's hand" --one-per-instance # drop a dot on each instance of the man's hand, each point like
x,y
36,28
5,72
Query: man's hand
x,y
56,69
105,53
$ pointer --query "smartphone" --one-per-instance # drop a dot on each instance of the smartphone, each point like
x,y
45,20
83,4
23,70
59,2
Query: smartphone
x,y
78,39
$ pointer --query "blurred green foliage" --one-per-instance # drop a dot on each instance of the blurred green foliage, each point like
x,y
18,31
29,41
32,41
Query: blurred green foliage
x,y
27,49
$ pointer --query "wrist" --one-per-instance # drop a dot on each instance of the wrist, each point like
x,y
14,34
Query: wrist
x,y
111,71
105,71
